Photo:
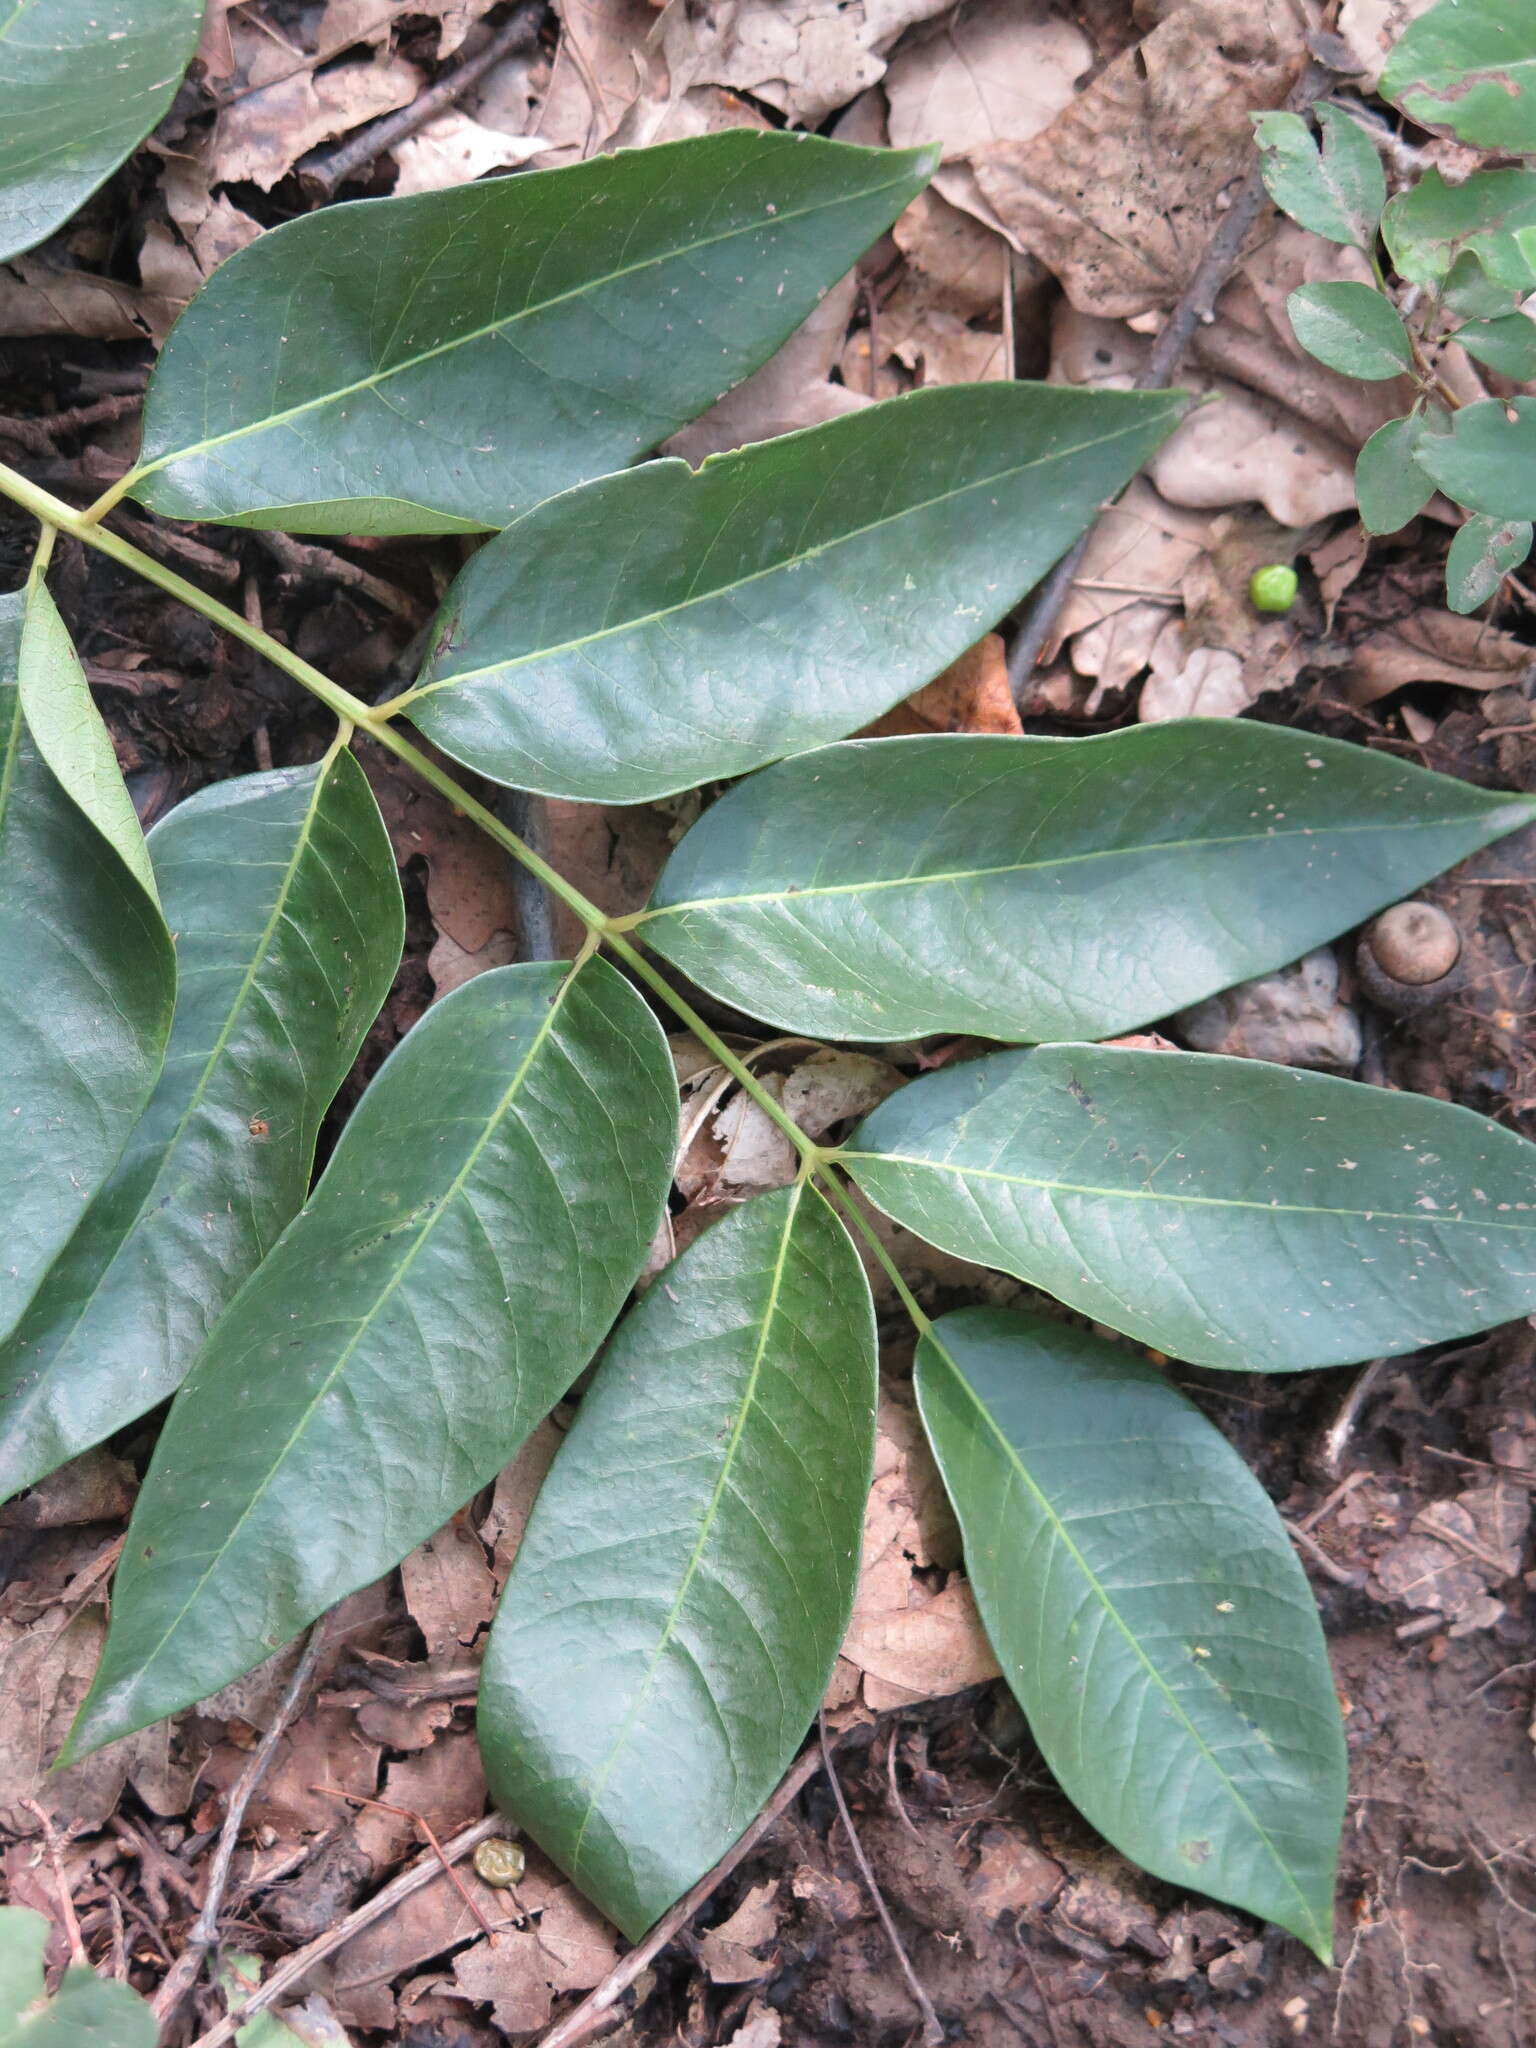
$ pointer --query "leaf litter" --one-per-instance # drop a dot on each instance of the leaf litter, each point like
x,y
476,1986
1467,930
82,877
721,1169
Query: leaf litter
x,y
1087,153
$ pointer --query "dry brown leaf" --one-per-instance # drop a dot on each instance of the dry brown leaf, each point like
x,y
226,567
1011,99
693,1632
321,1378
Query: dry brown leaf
x,y
1208,683
600,69
801,56
937,346
1294,1018
450,966
455,149
95,1487
1117,650
964,264
45,1671
444,1785
990,71
1369,28
733,1952
762,2028
212,226
1242,448
1434,647
37,298
790,391
739,1151
449,1588
972,695
569,1947
1120,194
260,136
427,1924
517,1487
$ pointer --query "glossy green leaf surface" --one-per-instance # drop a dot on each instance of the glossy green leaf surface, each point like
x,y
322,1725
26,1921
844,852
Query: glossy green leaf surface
x,y
1507,345
661,628
282,892
441,362
87,982
1352,328
1487,461
482,1217
1237,1214
1039,888
1482,555
1147,1609
1336,188
675,1610
86,2011
1435,228
1390,487
1470,66
82,83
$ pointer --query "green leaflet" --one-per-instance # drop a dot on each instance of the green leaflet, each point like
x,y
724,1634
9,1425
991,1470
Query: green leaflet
x,y
1470,66
1434,228
283,895
1487,461
87,2011
1390,487
1507,345
1147,1609
676,1607
1482,555
439,363
1337,189
87,971
662,628
82,83
1035,889
1236,1214
482,1217
1353,328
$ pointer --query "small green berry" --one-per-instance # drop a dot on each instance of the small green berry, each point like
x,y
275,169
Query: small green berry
x,y
1273,588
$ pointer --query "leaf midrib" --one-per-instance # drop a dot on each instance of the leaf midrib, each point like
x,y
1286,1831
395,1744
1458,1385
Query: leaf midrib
x,y
366,1320
493,327
786,565
1424,1218
706,1527
200,1090
1048,1509
948,878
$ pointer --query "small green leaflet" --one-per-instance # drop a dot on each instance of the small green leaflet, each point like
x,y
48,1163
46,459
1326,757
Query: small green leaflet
x,y
1390,487
1352,328
87,2011
1507,345
1434,229
439,363
82,83
1482,555
1147,1609
665,627
282,891
1038,888
1487,461
1337,190
1237,1214
1470,66
483,1215
87,969
675,1610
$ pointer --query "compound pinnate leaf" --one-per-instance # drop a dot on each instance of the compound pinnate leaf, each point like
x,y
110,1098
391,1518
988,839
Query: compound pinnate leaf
x,y
86,2011
1337,190
1352,328
676,1606
656,630
1482,555
1237,1214
1470,66
1390,487
483,1216
1487,461
282,891
1434,229
1147,1609
87,976
441,362
886,888
82,83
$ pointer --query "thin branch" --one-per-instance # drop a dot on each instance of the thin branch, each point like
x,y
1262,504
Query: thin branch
x,y
363,149
933,2026
421,1821
1194,309
77,1954
298,1966
183,1973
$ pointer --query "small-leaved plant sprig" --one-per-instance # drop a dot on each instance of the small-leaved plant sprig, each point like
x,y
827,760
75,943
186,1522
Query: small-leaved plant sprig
x,y
1460,263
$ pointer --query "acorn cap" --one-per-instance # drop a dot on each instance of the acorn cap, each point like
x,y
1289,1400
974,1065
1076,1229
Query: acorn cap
x,y
1414,943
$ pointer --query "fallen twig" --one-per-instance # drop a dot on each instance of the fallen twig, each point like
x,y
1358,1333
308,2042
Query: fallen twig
x,y
77,1954
421,1821
183,1973
933,2026
298,1966
585,2018
1195,307
326,173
